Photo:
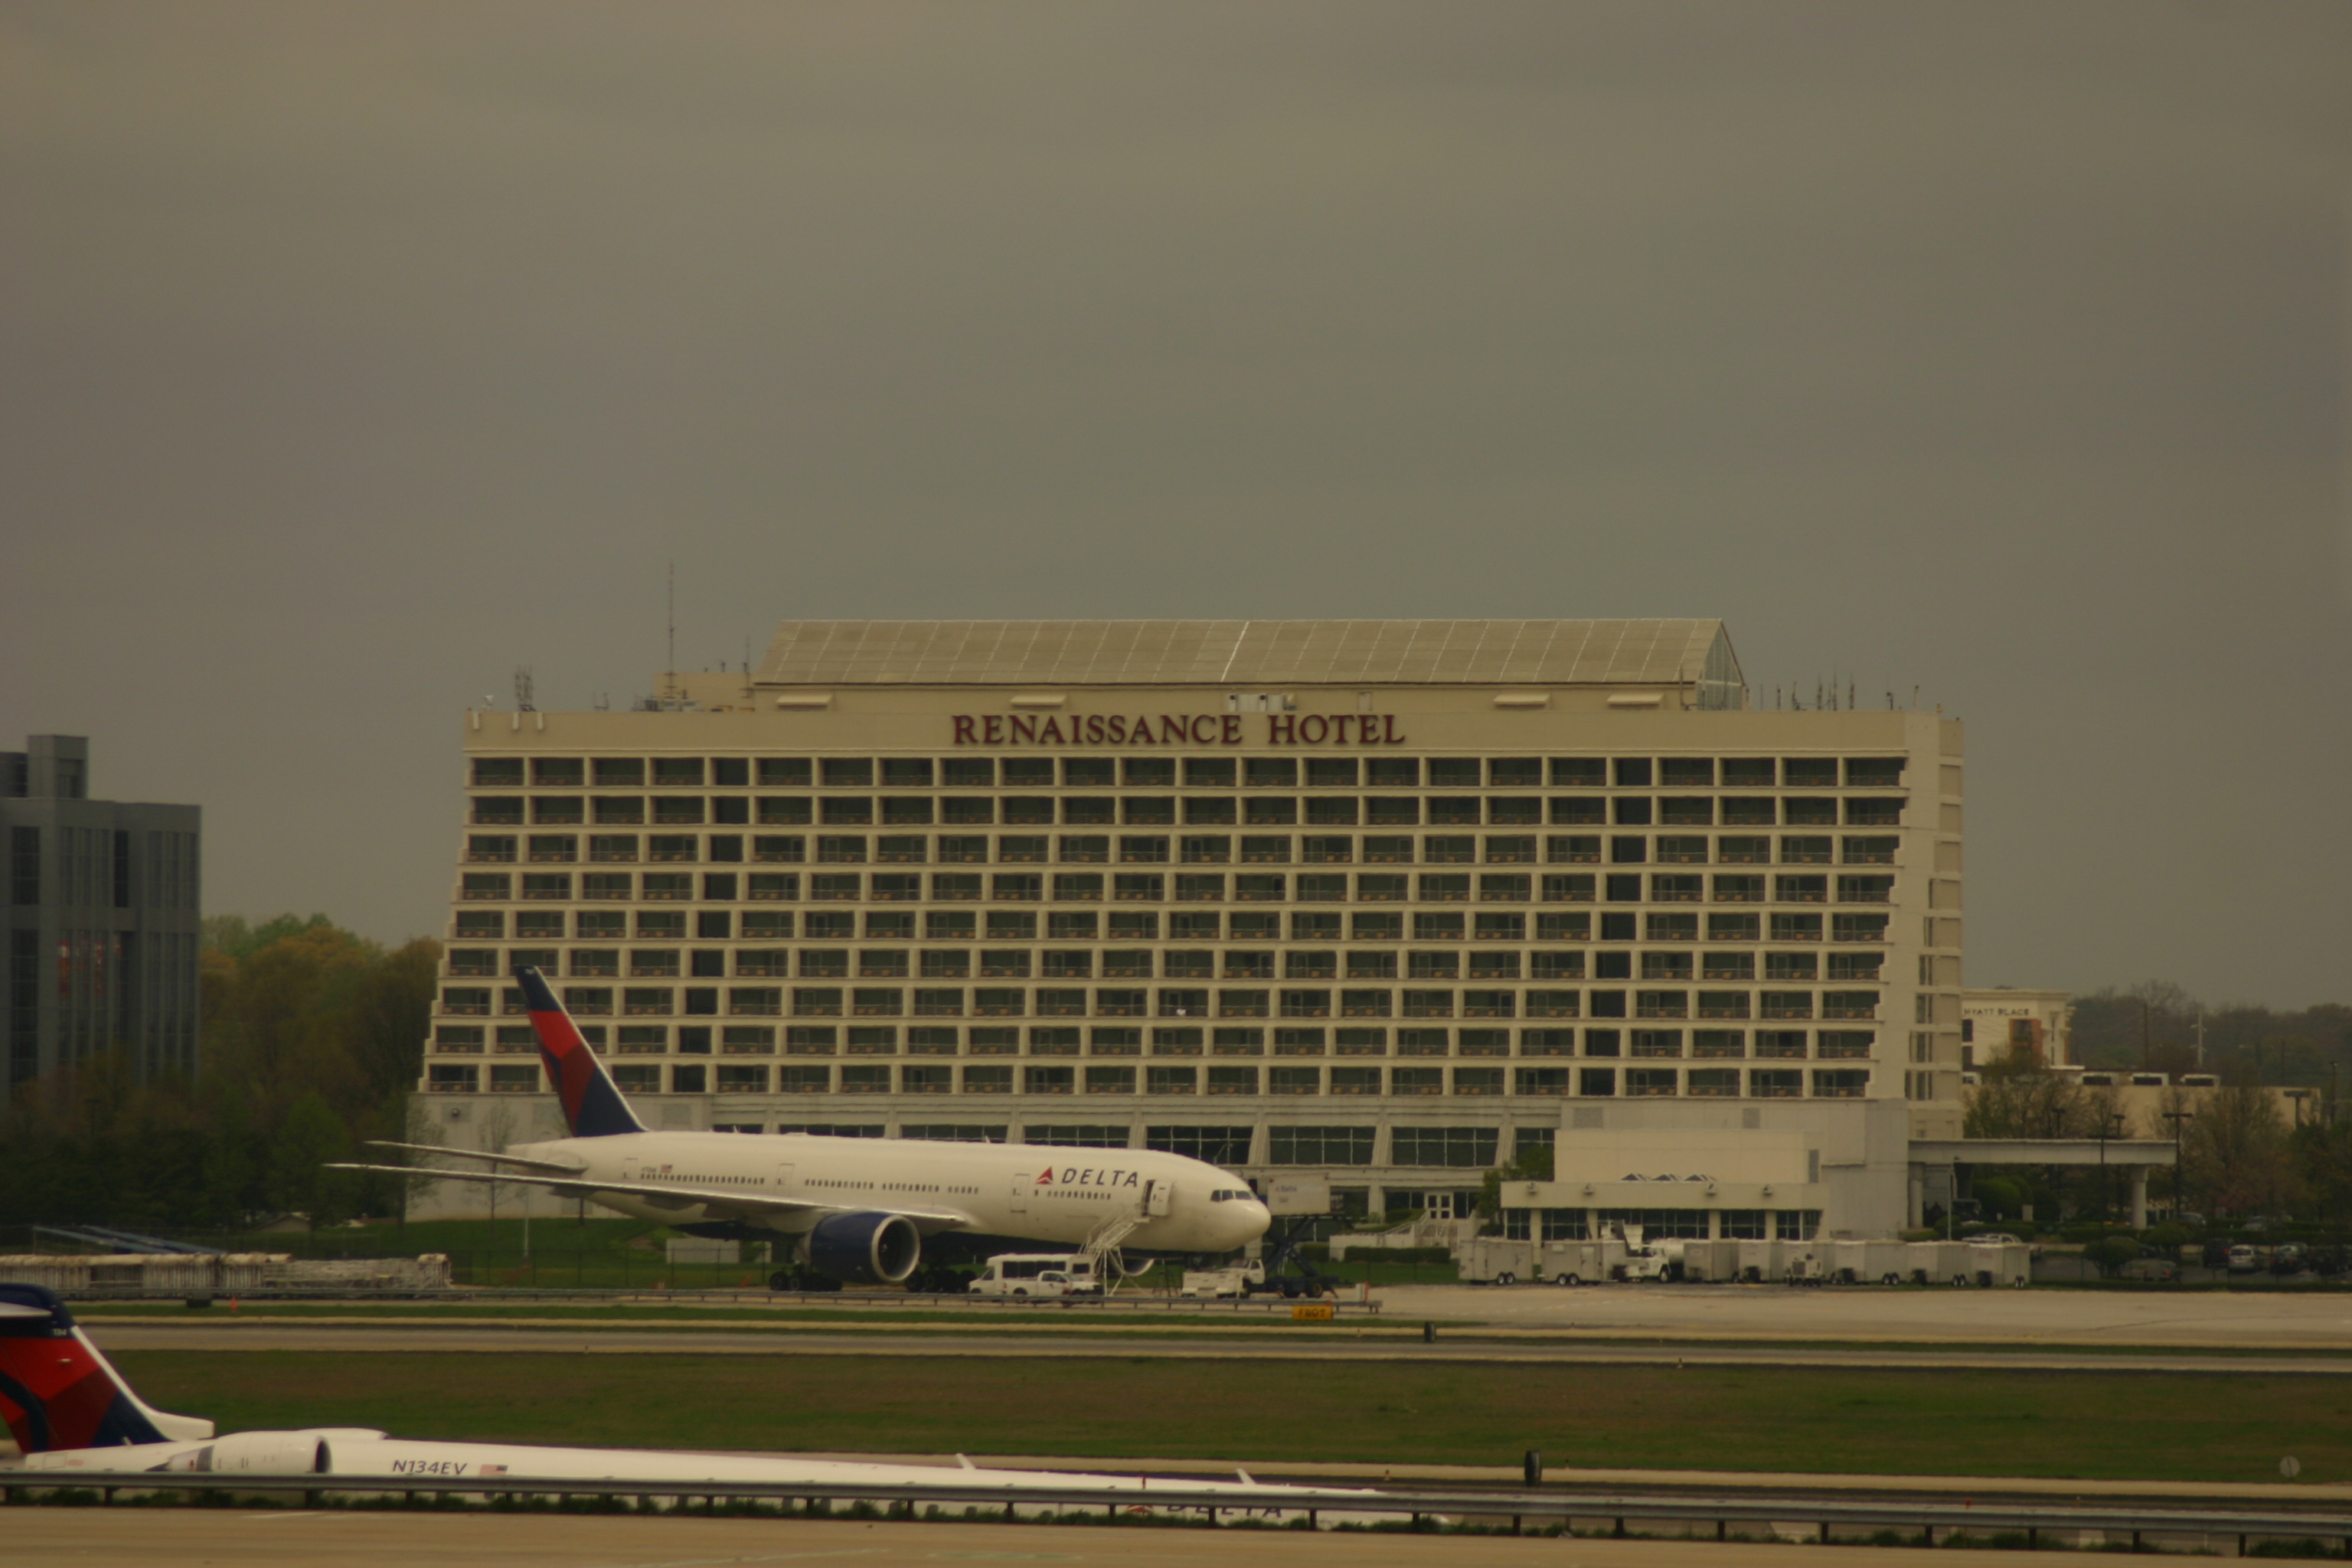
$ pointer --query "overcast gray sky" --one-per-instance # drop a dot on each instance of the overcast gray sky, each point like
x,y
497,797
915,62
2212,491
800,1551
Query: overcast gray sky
x,y
357,354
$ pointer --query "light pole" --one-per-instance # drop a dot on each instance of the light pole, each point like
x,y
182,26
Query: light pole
x,y
2110,1124
2177,1118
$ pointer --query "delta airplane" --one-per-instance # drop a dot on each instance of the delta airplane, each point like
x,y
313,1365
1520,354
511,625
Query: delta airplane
x,y
858,1209
71,1412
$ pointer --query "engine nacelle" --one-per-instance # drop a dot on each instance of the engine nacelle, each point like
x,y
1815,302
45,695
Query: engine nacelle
x,y
865,1248
260,1454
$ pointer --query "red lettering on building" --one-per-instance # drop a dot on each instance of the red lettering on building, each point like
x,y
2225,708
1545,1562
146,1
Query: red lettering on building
x,y
1232,730
1281,730
994,728
1314,730
963,735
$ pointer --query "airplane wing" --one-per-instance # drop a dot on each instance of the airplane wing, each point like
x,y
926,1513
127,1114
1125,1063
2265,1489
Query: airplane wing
x,y
926,1220
553,1167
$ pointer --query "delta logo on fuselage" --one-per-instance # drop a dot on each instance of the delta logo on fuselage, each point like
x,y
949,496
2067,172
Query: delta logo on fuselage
x,y
1073,1176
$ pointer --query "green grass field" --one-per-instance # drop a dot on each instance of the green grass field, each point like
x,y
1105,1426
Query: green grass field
x,y
2213,1427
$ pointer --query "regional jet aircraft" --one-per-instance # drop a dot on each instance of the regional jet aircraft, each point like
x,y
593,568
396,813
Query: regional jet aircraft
x,y
70,1411
858,1208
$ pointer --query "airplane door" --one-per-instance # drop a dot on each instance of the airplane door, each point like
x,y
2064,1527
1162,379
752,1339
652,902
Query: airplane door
x,y
784,1188
1017,1201
1157,1197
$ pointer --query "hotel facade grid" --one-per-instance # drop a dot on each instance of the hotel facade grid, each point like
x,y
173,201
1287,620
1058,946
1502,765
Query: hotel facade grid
x,y
1383,900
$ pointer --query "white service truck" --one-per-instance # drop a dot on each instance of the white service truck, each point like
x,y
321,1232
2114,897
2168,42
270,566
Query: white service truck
x,y
1037,1274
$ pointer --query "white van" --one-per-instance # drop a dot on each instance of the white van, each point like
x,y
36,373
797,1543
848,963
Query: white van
x,y
1037,1274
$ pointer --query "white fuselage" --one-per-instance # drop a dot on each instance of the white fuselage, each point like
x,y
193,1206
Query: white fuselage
x,y
1029,1192
361,1456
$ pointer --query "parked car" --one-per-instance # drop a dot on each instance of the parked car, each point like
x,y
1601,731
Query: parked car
x,y
2244,1260
2150,1269
2288,1258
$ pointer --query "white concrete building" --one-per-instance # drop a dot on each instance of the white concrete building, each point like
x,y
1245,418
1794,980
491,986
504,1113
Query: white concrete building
x,y
1996,1022
1380,901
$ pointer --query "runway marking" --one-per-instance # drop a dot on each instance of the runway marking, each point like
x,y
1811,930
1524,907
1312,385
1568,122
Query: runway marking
x,y
770,1557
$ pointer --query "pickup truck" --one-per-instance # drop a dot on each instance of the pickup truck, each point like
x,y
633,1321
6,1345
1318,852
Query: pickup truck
x,y
1249,1280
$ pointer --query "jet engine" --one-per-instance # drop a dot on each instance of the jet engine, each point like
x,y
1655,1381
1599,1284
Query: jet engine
x,y
865,1248
260,1454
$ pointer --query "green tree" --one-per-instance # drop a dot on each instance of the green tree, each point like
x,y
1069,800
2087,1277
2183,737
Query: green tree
x,y
2017,1097
1531,1163
308,1139
2236,1156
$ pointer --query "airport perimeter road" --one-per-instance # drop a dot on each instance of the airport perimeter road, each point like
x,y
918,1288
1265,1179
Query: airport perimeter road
x,y
2205,1319
1289,1343
225,1537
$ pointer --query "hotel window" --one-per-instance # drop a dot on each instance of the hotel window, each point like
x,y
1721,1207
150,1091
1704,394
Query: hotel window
x,y
1150,772
1097,773
1452,1148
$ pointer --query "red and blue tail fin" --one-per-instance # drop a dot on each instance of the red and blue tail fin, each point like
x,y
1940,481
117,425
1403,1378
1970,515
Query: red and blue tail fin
x,y
592,1106
56,1391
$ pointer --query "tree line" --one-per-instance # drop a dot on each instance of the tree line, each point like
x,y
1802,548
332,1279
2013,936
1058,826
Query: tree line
x,y
2241,1154
2158,1026
312,1040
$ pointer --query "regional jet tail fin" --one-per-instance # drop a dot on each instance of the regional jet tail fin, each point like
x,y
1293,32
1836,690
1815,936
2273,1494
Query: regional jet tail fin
x,y
592,1106
56,1391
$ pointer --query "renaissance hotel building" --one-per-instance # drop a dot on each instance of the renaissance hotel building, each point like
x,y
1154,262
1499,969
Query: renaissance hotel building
x,y
1378,901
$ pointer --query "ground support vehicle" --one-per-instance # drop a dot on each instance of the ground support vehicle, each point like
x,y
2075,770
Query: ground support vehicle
x,y
1252,1280
1037,1274
1501,1260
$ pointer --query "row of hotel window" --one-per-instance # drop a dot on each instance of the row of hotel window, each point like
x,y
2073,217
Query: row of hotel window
x,y
958,963
1166,811
1171,1002
1177,1041
1145,925
1183,887
1202,849
759,1077
1261,773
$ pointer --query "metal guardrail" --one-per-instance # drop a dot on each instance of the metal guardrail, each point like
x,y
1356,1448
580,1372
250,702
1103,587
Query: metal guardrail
x,y
1828,1516
501,1295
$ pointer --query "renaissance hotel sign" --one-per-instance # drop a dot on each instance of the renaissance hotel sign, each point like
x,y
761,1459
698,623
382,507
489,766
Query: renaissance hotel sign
x,y
1175,730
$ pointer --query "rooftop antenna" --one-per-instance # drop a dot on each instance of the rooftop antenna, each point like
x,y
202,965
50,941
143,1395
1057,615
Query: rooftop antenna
x,y
1915,697
669,665
523,693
